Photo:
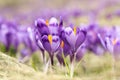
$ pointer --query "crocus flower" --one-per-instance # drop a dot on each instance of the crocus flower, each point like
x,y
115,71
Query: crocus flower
x,y
112,42
25,36
75,37
48,35
3,32
93,42
8,35
71,39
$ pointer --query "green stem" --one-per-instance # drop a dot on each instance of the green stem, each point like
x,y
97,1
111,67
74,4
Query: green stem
x,y
46,66
72,66
68,69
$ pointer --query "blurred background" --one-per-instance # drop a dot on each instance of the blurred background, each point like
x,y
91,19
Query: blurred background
x,y
25,12
85,10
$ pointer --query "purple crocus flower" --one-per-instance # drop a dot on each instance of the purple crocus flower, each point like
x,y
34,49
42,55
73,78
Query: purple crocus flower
x,y
112,42
48,35
8,35
93,42
25,36
3,31
71,39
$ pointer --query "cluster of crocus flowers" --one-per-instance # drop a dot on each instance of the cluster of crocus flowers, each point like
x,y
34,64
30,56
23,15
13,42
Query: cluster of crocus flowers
x,y
12,36
74,41
52,37
59,41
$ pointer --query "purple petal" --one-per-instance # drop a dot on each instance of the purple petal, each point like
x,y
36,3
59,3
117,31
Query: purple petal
x,y
46,44
60,57
53,26
70,36
79,54
42,27
102,41
55,43
80,39
53,22
109,44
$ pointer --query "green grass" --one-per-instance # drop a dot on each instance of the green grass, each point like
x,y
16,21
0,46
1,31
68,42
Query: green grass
x,y
91,67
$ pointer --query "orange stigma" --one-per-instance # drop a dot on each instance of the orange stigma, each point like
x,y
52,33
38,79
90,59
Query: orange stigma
x,y
62,44
50,38
75,30
114,41
47,22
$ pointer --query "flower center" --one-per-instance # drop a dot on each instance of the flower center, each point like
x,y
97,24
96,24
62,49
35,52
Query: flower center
x,y
114,41
75,30
62,44
47,22
50,39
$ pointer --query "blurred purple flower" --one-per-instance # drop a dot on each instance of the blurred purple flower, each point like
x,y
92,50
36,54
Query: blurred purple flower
x,y
93,42
8,35
112,42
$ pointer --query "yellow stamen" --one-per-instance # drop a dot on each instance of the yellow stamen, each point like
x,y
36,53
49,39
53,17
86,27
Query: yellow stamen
x,y
47,22
114,41
75,30
62,44
50,38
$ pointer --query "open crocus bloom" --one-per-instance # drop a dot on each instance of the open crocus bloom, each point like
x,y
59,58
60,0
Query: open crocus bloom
x,y
75,37
48,35
72,39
